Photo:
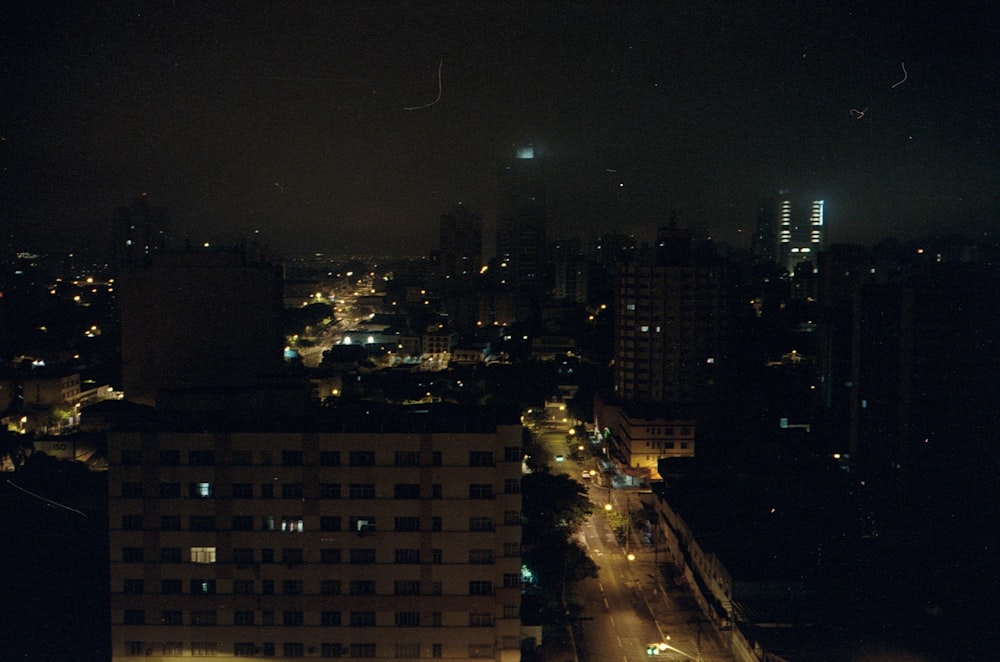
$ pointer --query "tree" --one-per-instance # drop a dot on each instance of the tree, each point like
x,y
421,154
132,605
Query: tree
x,y
554,505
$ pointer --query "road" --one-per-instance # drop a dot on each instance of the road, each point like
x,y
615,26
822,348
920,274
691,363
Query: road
x,y
628,606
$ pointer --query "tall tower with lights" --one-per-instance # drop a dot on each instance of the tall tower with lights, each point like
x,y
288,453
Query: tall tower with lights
x,y
801,231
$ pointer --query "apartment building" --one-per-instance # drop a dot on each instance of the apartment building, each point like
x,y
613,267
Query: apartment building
x,y
345,542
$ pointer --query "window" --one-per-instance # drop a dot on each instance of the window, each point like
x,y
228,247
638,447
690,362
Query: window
x,y
242,490
407,619
170,555
361,523
170,586
436,523
267,617
170,458
481,620
133,586
267,490
266,459
406,587
437,459
203,617
407,524
292,587
330,618
292,524
291,458
511,486
436,619
242,458
267,587
363,555
291,491
133,647
267,523
131,522
244,649
511,611
362,458
361,491
292,617
329,490
329,649
266,555
173,648
407,491
293,650
131,490
329,587
362,650
135,617
170,523
479,556
480,524
480,588
362,587
242,523
481,491
201,458
131,457
362,619
407,650
329,458
170,490
200,490
407,556
242,555
407,458
132,555
202,586
329,555
172,617
437,556
480,458
481,650
436,650
243,586
202,649
512,517
436,491
511,549
329,523
202,555
201,523
512,454
511,580
292,555
267,648
243,617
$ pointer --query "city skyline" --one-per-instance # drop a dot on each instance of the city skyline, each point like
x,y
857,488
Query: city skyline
x,y
353,127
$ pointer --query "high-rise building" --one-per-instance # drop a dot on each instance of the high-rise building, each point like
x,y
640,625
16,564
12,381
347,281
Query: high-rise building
x,y
671,320
394,536
522,217
137,232
195,319
461,243
801,233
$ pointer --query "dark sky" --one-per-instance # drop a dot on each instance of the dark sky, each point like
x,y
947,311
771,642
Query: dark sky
x,y
292,117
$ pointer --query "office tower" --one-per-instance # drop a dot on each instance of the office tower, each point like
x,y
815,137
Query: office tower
x,y
196,319
801,232
461,243
391,537
570,270
137,232
671,321
522,217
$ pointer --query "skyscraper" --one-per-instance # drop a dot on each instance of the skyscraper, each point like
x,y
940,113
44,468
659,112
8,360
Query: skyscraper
x,y
801,232
522,217
461,243
138,231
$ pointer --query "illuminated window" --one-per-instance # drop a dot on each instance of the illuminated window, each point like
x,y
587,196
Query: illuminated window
x,y
202,555
292,524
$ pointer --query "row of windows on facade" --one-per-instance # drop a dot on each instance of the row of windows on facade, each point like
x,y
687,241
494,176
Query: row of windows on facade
x,y
207,490
298,649
294,618
361,524
297,556
292,458
326,587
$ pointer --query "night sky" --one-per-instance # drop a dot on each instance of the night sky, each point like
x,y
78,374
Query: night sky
x,y
326,125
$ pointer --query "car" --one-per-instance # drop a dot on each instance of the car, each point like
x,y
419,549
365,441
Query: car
x,y
585,474
559,458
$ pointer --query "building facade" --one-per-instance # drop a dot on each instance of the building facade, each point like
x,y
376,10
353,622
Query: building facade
x,y
315,545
